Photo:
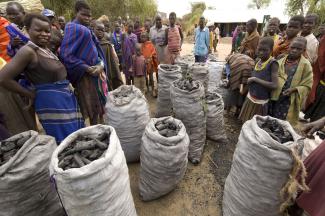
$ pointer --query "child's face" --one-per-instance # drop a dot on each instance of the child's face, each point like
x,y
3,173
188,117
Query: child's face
x,y
99,31
263,51
272,27
293,29
296,49
172,19
54,44
130,29
138,50
250,27
309,25
144,38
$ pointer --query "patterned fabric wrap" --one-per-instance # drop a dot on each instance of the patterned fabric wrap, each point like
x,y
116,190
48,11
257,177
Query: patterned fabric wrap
x,y
58,110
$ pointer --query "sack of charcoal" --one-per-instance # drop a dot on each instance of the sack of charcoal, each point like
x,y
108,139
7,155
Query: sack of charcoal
x,y
164,153
127,111
215,121
25,187
216,69
188,100
200,72
167,75
265,169
91,175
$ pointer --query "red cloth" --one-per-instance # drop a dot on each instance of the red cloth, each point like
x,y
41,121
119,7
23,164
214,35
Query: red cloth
x,y
4,39
318,71
150,54
313,202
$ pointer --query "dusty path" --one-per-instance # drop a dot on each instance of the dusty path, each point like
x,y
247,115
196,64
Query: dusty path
x,y
200,192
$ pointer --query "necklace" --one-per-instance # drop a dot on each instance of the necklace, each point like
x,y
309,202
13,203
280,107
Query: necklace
x,y
260,66
46,51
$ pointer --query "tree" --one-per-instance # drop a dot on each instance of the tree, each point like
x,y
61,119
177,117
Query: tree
x,y
192,18
112,8
259,4
303,7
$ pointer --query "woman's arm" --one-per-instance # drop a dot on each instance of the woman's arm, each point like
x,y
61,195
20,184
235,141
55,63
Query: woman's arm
x,y
270,85
23,57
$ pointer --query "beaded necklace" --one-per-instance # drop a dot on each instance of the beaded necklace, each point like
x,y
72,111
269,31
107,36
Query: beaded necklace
x,y
261,66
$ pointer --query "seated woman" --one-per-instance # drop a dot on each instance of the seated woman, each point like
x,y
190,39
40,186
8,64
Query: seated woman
x,y
55,104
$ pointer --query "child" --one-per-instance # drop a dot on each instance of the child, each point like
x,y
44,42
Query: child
x,y
294,26
249,44
264,79
211,37
174,37
311,20
272,29
295,81
128,49
114,74
149,52
139,69
55,41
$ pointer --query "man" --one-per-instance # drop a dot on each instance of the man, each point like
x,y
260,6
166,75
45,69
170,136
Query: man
x,y
252,37
281,47
309,25
84,59
216,36
51,15
62,22
158,38
174,39
116,40
202,40
137,29
147,25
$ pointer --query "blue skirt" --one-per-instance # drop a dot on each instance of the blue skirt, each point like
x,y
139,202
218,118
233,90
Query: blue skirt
x,y
57,109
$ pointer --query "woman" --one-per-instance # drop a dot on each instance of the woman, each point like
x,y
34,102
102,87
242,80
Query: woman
x,y
54,102
16,117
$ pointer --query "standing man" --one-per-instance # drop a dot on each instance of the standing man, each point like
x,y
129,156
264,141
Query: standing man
x,y
202,40
62,22
216,36
174,37
309,25
158,38
84,60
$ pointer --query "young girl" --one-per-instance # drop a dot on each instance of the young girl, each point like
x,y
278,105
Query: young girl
x,y
174,37
149,52
264,79
295,81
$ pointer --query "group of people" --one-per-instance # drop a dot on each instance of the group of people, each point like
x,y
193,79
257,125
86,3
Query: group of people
x,y
64,71
288,77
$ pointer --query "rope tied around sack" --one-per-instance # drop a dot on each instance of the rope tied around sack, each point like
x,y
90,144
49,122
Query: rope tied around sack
x,y
293,184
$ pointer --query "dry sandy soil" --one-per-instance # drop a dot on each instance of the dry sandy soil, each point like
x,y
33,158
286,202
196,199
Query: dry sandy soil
x,y
200,192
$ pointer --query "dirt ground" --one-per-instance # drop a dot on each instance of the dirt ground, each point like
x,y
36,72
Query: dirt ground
x,y
200,192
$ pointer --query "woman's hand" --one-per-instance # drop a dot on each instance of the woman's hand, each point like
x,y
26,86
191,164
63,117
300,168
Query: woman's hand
x,y
311,128
289,91
31,98
16,42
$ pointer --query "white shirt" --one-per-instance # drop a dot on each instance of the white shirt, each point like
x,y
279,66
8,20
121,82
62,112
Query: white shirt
x,y
312,48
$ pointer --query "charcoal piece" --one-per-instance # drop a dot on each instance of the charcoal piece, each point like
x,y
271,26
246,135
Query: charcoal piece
x,y
22,141
274,129
7,146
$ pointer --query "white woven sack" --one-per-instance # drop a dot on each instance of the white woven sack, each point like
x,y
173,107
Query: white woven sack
x,y
25,187
189,107
200,72
163,160
260,169
167,75
129,118
215,120
100,188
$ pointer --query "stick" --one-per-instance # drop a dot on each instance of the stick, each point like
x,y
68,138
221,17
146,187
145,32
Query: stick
x,y
213,162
